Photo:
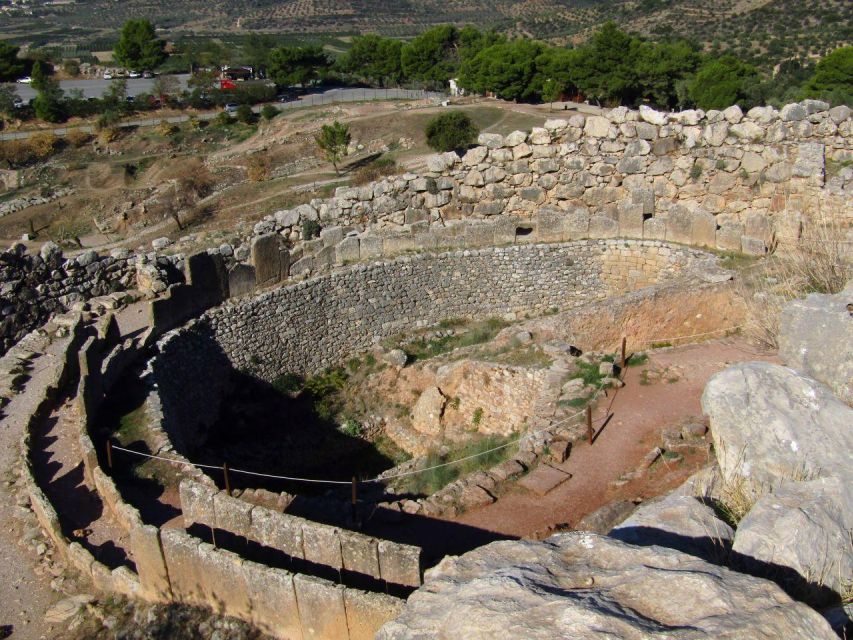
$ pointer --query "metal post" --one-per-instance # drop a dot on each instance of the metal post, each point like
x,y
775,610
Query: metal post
x,y
589,431
624,344
354,498
227,479
110,454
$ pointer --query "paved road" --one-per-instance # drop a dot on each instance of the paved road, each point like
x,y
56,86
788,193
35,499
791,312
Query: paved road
x,y
95,87
332,96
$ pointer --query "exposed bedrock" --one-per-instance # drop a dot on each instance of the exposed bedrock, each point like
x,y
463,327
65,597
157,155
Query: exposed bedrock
x,y
582,585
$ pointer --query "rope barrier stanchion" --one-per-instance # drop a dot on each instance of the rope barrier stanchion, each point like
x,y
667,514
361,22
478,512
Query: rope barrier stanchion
x,y
227,479
109,453
624,344
589,430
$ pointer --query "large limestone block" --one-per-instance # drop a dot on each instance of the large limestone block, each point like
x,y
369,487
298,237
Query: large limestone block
x,y
276,530
197,503
679,225
806,527
603,227
150,564
223,582
273,599
677,522
630,220
360,553
322,544
771,424
186,574
426,414
816,337
367,612
704,230
597,127
582,585
321,608
232,514
400,563
266,258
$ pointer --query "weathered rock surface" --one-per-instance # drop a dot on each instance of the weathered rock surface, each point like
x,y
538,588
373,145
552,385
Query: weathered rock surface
x,y
771,424
816,337
804,526
580,585
678,522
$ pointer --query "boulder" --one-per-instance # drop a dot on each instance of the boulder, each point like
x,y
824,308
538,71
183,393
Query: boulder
x,y
733,114
770,425
426,414
582,585
678,522
816,337
647,114
805,527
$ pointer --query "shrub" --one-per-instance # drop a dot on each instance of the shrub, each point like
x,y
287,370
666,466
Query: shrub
x,y
223,119
451,131
375,170
16,153
245,114
77,138
107,120
268,112
107,135
166,128
310,229
258,167
43,145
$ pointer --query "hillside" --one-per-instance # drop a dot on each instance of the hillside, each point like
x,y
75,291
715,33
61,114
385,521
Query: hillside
x,y
766,30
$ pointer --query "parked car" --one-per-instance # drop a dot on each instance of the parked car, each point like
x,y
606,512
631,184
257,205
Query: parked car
x,y
25,80
108,75
17,103
130,99
286,97
147,74
134,74
231,108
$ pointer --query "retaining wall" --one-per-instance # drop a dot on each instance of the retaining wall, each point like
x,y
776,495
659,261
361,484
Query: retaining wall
x,y
321,544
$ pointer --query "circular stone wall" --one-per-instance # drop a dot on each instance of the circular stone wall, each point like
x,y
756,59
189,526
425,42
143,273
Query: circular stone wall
x,y
305,327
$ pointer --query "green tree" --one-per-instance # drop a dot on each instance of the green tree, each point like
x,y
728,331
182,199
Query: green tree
x,y
333,141
723,82
606,69
451,131
289,66
7,102
256,51
432,57
11,67
833,77
47,104
138,46
659,68
508,69
551,90
375,59
115,97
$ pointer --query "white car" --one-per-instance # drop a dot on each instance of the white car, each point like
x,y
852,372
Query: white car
x,y
134,74
108,75
25,80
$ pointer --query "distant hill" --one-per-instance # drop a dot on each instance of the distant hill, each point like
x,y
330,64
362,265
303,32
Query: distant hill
x,y
765,30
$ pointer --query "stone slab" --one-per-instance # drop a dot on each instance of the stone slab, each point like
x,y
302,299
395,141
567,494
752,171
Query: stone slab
x,y
543,479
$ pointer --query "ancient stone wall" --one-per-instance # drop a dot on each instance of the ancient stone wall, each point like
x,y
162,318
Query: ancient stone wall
x,y
720,179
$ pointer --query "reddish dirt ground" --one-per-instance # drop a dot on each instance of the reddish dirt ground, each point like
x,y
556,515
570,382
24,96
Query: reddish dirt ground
x,y
640,410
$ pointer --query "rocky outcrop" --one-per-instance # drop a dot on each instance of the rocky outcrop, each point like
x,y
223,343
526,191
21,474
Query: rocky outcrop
x,y
581,585
771,424
678,522
804,527
816,337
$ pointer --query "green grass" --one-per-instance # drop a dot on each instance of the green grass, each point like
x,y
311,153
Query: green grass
x,y
575,403
429,482
475,333
637,359
132,426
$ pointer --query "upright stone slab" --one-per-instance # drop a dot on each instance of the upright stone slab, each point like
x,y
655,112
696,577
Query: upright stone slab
x,y
278,531
186,574
704,230
367,612
273,599
576,224
728,237
241,280
223,582
322,544
232,514
321,608
360,553
630,220
150,563
679,225
265,257
603,227
197,503
654,229
549,224
400,563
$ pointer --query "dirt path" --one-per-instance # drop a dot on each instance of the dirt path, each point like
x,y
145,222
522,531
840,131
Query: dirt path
x,y
641,410
25,593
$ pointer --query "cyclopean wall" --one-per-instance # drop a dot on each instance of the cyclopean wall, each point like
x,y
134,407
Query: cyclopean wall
x,y
746,179
304,327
